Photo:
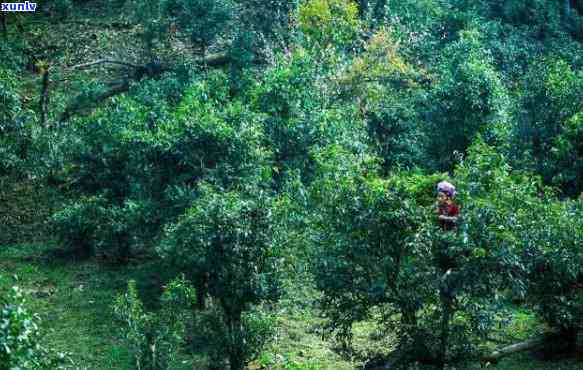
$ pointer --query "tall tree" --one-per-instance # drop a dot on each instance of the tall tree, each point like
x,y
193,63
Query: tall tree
x,y
468,98
227,237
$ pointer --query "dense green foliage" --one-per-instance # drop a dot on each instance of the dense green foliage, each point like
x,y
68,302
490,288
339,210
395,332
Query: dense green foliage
x,y
20,337
154,340
245,145
13,130
225,243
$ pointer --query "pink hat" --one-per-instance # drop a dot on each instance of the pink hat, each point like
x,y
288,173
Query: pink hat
x,y
447,188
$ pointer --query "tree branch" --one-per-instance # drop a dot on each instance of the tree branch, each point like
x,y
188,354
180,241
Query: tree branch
x,y
514,348
3,25
77,102
148,70
44,95
221,59
116,25
216,60
117,87
103,61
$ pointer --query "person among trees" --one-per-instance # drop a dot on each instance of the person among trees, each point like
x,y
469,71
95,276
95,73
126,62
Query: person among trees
x,y
447,210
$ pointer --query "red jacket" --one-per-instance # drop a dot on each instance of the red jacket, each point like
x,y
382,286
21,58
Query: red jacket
x,y
450,210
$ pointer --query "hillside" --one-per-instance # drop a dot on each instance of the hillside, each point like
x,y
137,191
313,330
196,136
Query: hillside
x,y
300,185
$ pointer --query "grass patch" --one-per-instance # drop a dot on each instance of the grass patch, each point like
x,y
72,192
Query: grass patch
x,y
74,300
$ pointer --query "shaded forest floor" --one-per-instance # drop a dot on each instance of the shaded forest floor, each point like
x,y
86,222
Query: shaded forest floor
x,y
74,300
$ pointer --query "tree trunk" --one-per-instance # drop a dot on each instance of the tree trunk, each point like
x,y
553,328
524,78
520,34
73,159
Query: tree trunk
x,y
444,335
409,319
84,249
204,59
200,299
409,323
567,6
514,348
77,105
235,329
124,249
201,285
362,7
446,264
379,8
569,336
44,97
3,25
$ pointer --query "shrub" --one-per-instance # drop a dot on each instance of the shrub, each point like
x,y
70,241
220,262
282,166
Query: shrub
x,y
224,243
298,118
468,99
14,135
136,166
211,334
554,260
63,8
77,225
538,126
568,152
91,226
9,99
20,337
154,338
543,236
203,21
329,22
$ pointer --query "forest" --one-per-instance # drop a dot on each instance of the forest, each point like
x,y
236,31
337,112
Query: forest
x,y
291,184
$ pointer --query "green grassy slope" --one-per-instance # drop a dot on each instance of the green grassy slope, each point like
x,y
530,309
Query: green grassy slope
x,y
74,301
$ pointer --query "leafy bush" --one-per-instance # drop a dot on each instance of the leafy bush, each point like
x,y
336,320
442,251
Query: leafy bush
x,y
553,256
149,14
329,22
568,151
298,118
20,337
91,225
538,126
379,70
203,21
468,99
63,8
136,166
77,225
9,98
14,135
273,25
224,243
357,263
544,17
154,338
211,334
542,237
394,134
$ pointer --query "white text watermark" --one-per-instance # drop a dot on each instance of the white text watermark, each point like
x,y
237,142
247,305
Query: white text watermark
x,y
19,7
